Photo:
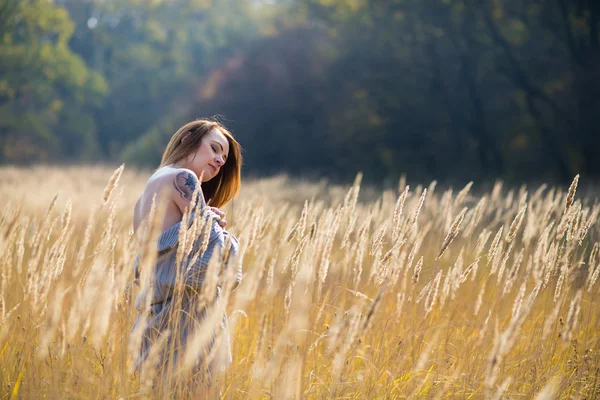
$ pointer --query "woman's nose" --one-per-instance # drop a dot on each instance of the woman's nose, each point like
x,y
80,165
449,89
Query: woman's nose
x,y
220,160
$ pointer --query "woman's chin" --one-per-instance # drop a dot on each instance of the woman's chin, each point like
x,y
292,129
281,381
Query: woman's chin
x,y
207,176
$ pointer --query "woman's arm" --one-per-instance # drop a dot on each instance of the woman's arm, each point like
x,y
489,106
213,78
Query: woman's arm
x,y
185,183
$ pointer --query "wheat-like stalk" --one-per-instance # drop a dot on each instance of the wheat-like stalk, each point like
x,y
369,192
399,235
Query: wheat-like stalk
x,y
494,246
112,183
571,193
417,272
460,197
515,225
453,233
572,316
396,219
353,304
415,216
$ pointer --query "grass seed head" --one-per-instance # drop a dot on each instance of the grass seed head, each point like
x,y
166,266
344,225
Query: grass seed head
x,y
571,192
112,183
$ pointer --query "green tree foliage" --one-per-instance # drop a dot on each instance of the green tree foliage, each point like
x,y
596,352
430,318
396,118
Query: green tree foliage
x,y
153,54
433,88
44,87
272,100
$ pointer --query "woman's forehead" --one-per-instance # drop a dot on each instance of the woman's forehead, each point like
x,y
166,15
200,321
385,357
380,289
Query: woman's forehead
x,y
218,136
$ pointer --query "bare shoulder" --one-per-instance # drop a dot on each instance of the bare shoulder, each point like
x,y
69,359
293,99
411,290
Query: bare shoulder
x,y
180,184
172,188
184,181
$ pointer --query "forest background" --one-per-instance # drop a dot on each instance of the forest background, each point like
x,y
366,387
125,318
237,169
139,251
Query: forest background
x,y
437,89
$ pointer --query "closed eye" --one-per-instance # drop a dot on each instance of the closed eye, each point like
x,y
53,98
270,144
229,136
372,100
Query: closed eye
x,y
215,149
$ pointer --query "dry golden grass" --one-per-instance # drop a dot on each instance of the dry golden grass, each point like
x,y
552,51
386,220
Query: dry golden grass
x,y
402,294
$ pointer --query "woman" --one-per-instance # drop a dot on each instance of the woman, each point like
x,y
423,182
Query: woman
x,y
202,157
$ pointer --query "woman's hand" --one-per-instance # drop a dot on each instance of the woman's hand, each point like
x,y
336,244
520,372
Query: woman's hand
x,y
221,215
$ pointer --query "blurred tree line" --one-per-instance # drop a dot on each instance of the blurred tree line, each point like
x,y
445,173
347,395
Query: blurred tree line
x,y
432,88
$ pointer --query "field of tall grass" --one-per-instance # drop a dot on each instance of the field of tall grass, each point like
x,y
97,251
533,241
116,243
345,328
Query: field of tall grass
x,y
347,292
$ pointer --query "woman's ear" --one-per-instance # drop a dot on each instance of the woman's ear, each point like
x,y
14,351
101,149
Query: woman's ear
x,y
185,136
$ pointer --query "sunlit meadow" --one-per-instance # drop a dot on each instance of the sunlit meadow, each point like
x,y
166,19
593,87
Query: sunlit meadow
x,y
412,292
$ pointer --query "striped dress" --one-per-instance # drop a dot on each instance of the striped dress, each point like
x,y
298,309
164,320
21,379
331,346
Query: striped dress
x,y
162,317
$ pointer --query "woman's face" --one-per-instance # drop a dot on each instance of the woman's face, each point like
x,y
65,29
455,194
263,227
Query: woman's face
x,y
210,156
